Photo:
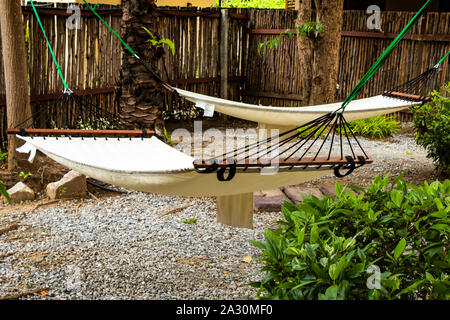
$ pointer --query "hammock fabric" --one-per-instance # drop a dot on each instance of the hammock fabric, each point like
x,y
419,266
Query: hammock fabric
x,y
150,165
295,116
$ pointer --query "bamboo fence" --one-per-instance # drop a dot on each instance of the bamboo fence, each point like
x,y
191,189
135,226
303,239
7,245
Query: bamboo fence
x,y
91,56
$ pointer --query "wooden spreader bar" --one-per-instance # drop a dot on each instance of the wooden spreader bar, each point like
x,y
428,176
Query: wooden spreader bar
x,y
335,161
405,96
81,132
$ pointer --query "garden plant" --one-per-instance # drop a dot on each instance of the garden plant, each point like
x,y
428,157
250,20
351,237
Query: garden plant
x,y
383,242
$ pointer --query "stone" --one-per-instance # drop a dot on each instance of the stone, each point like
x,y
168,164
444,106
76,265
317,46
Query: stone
x,y
295,193
328,190
72,185
269,200
20,192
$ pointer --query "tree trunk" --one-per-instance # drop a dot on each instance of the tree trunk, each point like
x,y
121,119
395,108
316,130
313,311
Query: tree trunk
x,y
141,98
15,70
319,56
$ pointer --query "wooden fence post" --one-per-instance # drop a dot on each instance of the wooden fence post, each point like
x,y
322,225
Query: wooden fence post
x,y
224,27
234,210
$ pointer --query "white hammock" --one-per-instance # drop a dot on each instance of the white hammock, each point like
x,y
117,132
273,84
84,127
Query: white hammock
x,y
150,165
295,116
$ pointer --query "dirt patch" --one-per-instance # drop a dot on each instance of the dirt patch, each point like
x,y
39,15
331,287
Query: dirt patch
x,y
43,171
27,233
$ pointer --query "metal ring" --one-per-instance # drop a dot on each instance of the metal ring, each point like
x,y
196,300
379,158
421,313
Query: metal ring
x,y
351,166
213,168
231,171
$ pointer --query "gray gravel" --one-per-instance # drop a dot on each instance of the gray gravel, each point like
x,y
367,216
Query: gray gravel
x,y
118,248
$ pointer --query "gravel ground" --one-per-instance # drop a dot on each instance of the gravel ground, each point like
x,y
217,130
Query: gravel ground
x,y
119,247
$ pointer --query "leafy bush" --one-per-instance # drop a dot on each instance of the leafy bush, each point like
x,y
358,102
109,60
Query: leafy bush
x,y
3,156
432,127
99,123
376,127
385,243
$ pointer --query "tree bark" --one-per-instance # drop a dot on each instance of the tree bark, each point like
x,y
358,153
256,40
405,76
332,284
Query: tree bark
x,y
15,70
319,56
141,98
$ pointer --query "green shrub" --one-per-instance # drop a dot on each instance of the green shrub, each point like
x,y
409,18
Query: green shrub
x,y
332,248
376,127
432,128
3,156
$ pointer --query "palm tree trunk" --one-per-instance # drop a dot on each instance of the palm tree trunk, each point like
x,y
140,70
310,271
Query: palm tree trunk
x,y
141,98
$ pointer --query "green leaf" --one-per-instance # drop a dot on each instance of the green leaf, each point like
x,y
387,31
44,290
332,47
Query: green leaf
x,y
338,189
428,276
340,267
301,236
412,287
260,46
190,221
170,44
399,248
4,193
438,204
303,284
441,227
332,271
258,244
397,198
331,292
293,251
148,31
314,234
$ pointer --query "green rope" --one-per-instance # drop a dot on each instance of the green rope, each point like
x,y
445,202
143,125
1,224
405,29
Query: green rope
x,y
58,67
164,83
442,60
111,29
383,57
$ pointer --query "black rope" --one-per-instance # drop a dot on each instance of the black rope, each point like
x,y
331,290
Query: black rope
x,y
74,111
105,188
308,135
419,86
